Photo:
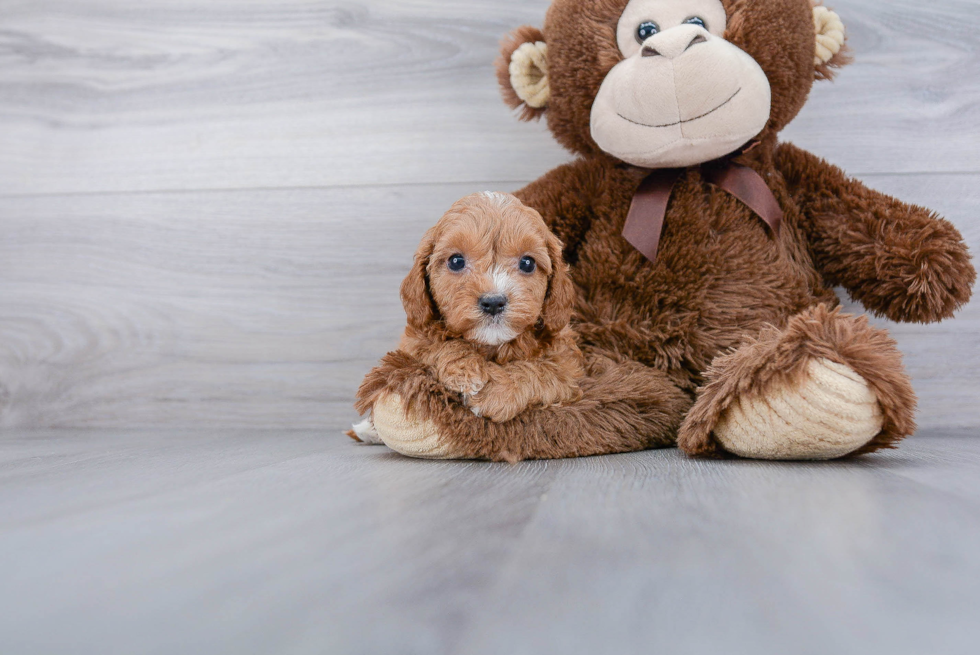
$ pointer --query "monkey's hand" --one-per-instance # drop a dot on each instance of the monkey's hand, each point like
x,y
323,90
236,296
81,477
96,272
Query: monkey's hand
x,y
899,260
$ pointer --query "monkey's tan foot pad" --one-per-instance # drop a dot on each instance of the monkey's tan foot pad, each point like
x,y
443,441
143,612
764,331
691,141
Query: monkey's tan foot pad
x,y
407,436
829,413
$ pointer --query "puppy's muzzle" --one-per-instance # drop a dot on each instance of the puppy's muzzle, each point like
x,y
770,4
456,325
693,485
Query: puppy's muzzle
x,y
493,305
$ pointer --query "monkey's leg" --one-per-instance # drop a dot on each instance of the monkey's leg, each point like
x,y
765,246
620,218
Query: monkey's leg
x,y
825,386
625,407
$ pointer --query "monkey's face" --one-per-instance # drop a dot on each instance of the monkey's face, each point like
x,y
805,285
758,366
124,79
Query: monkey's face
x,y
669,83
682,95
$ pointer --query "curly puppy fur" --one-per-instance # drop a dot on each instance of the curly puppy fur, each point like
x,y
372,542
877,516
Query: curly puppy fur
x,y
522,356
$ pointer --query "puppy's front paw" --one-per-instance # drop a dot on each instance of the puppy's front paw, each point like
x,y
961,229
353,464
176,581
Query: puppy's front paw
x,y
472,404
464,378
493,407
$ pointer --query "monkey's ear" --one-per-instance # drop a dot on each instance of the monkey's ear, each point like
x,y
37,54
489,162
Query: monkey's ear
x,y
416,298
522,71
558,303
831,52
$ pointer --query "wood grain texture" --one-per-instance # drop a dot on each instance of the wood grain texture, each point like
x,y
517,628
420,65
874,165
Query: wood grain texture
x,y
205,213
102,95
295,542
265,309
248,308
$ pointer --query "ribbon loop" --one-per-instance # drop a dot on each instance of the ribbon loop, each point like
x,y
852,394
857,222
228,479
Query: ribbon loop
x,y
749,187
645,222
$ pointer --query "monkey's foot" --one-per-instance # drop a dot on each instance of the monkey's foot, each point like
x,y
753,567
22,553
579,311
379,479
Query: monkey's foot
x,y
826,386
829,413
406,435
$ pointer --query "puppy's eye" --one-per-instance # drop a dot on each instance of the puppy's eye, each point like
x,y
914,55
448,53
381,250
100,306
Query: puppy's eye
x,y
527,265
646,30
456,263
696,20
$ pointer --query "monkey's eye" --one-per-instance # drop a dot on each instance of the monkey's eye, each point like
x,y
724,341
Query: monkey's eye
x,y
646,30
456,263
527,265
696,20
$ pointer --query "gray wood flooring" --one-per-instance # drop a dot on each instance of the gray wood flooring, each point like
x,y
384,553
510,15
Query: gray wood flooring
x,y
261,542
205,213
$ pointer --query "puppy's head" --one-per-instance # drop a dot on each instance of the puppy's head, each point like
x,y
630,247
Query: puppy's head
x,y
489,270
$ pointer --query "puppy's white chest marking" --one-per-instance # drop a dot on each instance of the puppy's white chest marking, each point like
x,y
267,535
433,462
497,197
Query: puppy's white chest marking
x,y
494,334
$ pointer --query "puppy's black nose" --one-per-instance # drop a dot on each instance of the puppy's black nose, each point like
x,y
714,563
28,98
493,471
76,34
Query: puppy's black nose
x,y
493,305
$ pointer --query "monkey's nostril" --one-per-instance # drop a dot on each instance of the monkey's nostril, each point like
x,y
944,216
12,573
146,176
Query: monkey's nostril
x,y
493,305
650,52
698,39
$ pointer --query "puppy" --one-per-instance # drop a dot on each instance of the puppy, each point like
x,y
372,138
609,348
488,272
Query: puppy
x,y
488,301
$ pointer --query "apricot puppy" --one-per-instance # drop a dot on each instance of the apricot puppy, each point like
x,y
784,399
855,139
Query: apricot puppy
x,y
488,301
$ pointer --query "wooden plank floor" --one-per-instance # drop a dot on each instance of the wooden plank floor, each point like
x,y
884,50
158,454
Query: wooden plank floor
x,y
205,213
295,542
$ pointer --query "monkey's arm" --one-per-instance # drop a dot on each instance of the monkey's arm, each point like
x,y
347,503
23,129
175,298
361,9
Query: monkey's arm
x,y
564,198
899,260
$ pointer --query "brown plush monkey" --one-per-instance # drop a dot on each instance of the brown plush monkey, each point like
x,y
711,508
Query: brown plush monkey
x,y
703,250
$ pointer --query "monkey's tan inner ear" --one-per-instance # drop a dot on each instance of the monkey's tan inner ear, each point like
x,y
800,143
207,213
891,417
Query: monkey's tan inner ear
x,y
830,34
529,74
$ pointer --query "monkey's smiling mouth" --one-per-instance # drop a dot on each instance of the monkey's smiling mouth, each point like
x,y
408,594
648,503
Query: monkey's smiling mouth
x,y
689,120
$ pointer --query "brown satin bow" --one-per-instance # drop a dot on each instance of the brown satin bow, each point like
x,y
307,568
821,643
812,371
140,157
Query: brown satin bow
x,y
645,223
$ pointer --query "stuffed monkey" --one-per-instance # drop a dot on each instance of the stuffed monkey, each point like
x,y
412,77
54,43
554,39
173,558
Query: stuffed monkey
x,y
703,250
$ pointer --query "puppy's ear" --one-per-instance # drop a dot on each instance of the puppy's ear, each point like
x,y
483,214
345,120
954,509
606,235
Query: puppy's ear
x,y
522,71
558,302
416,297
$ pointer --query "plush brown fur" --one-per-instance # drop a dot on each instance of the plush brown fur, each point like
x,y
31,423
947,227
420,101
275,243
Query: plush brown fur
x,y
605,420
725,307
922,275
